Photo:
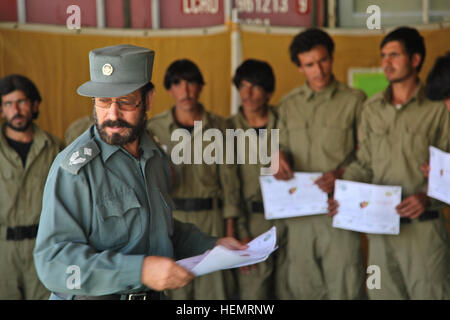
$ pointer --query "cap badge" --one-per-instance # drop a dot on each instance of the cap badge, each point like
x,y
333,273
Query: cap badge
x,y
107,69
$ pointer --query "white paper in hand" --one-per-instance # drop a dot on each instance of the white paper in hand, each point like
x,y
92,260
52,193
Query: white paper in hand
x,y
367,208
297,197
220,258
439,176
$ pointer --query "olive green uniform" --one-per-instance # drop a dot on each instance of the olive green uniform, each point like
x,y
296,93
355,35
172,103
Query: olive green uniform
x,y
261,282
318,132
103,212
21,191
77,128
218,182
393,144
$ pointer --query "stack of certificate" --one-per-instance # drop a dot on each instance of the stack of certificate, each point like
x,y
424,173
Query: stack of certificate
x,y
220,258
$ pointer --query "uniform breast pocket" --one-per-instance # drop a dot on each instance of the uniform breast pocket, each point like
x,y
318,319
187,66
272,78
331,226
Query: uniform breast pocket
x,y
298,134
337,141
417,145
168,207
118,220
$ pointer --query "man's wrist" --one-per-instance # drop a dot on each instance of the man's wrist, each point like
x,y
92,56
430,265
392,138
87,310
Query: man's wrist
x,y
339,173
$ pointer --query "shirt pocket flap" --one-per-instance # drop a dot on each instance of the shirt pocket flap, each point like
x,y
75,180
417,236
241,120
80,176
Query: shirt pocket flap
x,y
380,131
118,206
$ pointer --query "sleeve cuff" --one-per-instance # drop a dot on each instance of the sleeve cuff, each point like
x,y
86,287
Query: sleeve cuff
x,y
130,271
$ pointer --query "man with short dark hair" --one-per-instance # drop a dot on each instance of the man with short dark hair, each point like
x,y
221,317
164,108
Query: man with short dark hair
x,y
397,127
106,229
207,195
26,154
318,126
438,80
255,82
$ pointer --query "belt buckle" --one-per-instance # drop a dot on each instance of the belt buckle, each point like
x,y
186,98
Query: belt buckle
x,y
137,296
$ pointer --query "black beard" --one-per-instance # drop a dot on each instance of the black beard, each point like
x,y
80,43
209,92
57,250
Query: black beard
x,y
23,128
117,139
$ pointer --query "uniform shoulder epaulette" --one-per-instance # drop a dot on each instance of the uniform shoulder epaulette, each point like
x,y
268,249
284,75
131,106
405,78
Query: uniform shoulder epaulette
x,y
216,121
293,93
230,120
80,157
376,97
161,115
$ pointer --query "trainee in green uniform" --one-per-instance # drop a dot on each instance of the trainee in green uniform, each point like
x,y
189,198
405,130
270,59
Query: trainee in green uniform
x,y
256,121
393,145
213,186
206,190
26,154
397,128
318,127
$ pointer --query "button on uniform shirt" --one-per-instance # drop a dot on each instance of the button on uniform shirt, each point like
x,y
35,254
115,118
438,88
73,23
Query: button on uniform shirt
x,y
104,211
201,180
394,142
318,130
21,187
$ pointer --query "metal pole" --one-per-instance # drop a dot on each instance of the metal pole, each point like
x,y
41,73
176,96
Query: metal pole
x,y
155,14
425,11
101,21
227,11
331,13
236,57
21,11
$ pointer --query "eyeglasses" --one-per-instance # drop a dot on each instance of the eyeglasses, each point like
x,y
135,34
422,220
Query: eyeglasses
x,y
124,104
21,103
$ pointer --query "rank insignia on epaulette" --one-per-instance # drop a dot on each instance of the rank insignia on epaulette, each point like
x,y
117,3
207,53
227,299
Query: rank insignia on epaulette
x,y
79,158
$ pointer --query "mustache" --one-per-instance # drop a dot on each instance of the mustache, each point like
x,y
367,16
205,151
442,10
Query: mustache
x,y
17,116
116,123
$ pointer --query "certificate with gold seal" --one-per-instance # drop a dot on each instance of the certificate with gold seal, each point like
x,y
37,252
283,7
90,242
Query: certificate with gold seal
x,y
299,196
367,207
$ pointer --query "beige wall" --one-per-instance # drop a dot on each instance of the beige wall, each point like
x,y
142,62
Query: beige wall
x,y
58,63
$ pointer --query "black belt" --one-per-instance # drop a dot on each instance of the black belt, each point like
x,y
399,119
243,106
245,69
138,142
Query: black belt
x,y
427,215
196,204
150,295
22,232
257,207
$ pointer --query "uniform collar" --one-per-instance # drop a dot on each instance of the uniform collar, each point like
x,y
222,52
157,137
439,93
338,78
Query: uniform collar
x,y
147,146
326,92
39,137
206,121
418,95
40,140
244,123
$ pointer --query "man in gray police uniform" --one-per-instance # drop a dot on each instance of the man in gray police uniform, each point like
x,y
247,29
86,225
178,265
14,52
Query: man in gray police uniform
x,y
106,228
